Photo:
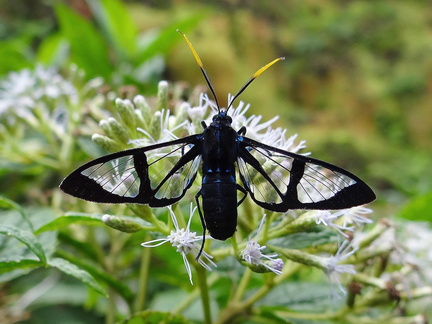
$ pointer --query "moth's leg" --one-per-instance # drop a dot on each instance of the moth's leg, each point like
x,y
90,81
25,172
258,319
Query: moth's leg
x,y
202,223
203,124
242,131
243,191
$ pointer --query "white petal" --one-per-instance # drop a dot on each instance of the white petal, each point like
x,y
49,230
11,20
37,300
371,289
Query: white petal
x,y
151,243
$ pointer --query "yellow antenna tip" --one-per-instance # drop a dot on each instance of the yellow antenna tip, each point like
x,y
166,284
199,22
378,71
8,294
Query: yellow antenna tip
x,y
265,67
195,54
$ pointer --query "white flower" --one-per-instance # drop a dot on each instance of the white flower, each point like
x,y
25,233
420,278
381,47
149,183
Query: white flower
x,y
167,124
355,215
198,113
252,254
185,242
256,129
37,95
332,267
326,218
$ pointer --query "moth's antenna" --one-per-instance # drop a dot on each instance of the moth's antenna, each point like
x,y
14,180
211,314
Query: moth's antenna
x,y
201,66
256,75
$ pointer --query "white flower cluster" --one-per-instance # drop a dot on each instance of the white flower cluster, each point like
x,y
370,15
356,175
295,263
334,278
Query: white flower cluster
x,y
252,254
256,129
185,242
344,220
23,90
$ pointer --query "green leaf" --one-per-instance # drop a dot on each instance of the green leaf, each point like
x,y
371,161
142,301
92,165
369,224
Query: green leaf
x,y
11,265
80,274
53,50
117,24
302,296
27,238
10,204
168,37
156,317
88,48
83,218
118,286
15,55
316,236
418,209
66,220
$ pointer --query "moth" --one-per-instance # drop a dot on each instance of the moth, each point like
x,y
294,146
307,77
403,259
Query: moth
x,y
229,162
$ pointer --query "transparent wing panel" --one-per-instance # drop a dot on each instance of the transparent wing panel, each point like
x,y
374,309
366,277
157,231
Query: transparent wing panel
x,y
117,176
166,172
272,177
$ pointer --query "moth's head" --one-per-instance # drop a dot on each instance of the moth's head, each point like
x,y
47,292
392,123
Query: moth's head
x,y
222,118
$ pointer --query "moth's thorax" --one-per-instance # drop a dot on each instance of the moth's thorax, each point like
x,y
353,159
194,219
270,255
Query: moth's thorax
x,y
219,146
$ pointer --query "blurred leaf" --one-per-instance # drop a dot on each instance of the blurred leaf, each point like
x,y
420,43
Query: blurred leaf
x,y
169,299
121,288
156,317
88,49
317,236
13,250
90,148
15,55
418,209
86,250
82,275
71,218
27,238
168,37
269,315
11,265
301,296
10,204
82,218
117,24
53,50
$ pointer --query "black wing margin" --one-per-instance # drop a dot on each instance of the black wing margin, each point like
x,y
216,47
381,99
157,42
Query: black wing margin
x,y
278,180
158,175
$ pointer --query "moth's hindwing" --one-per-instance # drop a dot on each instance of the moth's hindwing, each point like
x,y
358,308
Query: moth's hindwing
x,y
279,180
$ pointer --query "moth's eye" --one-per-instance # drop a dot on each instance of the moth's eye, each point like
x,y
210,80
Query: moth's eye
x,y
229,119
215,117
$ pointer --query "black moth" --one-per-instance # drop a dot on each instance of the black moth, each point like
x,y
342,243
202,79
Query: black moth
x,y
275,179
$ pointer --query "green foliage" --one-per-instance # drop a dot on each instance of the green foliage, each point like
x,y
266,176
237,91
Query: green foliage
x,y
418,209
156,317
93,57
111,46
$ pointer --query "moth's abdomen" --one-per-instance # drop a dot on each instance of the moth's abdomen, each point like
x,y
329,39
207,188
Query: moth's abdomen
x,y
219,202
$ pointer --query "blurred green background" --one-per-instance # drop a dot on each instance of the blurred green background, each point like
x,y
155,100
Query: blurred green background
x,y
356,83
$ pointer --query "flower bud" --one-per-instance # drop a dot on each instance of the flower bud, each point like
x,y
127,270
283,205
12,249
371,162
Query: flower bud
x,y
143,211
118,130
126,111
141,104
162,96
106,143
122,224
181,111
106,128
155,125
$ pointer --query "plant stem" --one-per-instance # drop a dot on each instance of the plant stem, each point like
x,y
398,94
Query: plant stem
x,y
188,300
110,316
241,288
203,286
143,277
